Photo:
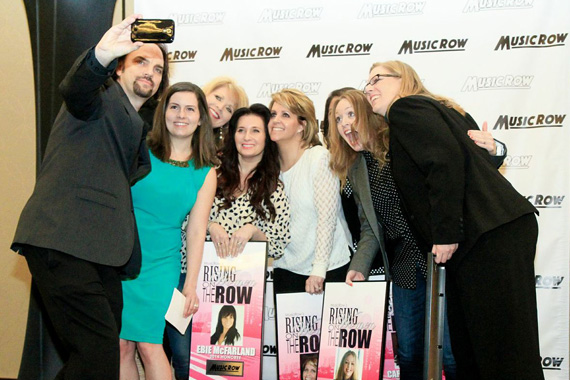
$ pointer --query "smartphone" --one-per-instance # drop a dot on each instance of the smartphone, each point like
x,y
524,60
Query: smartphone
x,y
157,30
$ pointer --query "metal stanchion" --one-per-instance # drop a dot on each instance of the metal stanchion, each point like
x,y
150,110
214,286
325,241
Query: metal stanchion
x,y
435,309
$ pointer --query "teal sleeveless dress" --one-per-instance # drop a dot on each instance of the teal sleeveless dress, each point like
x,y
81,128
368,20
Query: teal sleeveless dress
x,y
161,201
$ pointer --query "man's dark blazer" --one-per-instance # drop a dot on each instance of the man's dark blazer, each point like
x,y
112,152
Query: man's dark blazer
x,y
450,188
81,204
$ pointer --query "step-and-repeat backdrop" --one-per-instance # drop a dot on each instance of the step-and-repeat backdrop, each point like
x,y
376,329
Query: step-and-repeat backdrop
x,y
505,61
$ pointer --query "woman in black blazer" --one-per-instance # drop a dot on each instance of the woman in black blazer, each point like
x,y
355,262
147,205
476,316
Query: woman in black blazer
x,y
384,223
465,212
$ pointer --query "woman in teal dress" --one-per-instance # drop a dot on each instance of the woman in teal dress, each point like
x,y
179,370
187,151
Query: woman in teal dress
x,y
181,181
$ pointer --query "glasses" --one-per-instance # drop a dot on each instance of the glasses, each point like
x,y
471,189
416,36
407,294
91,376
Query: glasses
x,y
378,77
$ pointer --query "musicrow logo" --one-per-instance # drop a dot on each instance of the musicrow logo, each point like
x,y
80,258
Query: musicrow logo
x,y
433,46
231,54
548,282
398,8
552,363
492,5
517,162
499,82
546,201
224,367
182,56
201,18
309,88
529,122
291,14
342,50
532,41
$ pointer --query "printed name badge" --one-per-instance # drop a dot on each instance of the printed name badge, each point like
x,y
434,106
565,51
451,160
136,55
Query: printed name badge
x,y
352,332
227,330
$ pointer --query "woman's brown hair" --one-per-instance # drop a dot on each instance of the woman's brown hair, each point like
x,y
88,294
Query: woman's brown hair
x,y
202,144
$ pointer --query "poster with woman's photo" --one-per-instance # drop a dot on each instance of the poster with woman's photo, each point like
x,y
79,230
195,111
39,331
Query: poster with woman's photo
x,y
352,332
227,330
298,335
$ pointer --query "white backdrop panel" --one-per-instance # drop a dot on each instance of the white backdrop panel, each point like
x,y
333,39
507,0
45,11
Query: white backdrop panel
x,y
505,61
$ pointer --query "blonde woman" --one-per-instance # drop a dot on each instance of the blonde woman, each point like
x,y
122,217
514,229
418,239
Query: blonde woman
x,y
348,367
224,97
320,239
470,217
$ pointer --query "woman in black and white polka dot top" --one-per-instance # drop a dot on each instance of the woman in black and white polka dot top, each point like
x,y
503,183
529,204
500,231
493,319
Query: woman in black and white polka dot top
x,y
250,201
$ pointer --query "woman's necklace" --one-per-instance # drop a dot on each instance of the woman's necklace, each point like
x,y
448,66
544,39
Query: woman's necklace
x,y
180,164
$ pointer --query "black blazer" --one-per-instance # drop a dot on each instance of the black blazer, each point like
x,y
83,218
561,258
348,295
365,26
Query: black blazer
x,y
81,204
371,232
450,187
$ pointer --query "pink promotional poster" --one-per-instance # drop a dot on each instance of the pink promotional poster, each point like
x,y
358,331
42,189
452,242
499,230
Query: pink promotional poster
x,y
227,330
391,368
352,331
298,331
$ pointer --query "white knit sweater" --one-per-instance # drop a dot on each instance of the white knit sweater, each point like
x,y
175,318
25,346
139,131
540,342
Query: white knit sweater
x,y
320,238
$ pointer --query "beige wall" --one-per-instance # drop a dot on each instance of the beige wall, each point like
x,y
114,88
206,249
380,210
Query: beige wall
x,y
17,173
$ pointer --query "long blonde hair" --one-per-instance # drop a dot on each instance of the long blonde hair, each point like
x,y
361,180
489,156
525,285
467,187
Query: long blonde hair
x,y
372,130
340,369
300,104
411,84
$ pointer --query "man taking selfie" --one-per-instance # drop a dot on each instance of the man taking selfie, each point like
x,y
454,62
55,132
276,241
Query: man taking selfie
x,y
77,231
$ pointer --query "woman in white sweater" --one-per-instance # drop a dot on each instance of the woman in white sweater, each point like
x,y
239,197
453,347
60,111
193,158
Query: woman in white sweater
x,y
320,239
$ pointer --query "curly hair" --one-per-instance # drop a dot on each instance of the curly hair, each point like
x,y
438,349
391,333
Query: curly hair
x,y
265,178
325,124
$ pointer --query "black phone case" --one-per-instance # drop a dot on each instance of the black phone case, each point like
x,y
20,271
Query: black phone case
x,y
152,31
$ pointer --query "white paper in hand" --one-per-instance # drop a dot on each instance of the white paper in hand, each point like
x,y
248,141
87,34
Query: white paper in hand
x,y
175,313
